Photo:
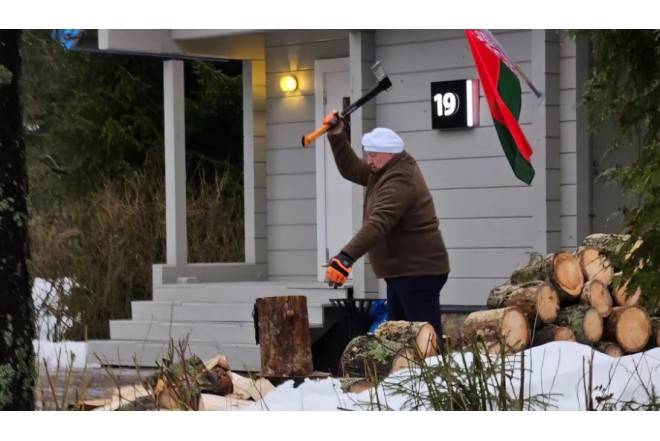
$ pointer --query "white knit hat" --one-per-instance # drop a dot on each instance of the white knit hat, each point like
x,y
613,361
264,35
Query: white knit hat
x,y
382,140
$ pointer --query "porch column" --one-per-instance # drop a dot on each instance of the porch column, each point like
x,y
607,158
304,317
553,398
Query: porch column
x,y
175,163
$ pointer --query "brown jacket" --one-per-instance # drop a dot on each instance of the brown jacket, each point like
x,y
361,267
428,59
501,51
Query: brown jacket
x,y
400,229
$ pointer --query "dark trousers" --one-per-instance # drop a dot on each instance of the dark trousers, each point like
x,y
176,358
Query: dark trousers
x,y
416,299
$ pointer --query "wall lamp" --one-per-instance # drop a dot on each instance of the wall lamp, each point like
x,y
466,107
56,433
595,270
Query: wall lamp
x,y
288,83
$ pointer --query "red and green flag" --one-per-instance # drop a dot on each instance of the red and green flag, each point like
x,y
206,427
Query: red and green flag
x,y
499,79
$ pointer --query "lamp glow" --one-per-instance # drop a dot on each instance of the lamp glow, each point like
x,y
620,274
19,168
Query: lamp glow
x,y
288,83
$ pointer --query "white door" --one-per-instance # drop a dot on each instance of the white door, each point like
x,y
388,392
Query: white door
x,y
334,193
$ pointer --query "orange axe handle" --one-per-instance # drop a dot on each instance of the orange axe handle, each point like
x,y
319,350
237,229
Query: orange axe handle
x,y
330,120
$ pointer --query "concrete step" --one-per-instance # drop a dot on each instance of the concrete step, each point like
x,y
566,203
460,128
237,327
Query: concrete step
x,y
243,292
194,332
180,311
241,357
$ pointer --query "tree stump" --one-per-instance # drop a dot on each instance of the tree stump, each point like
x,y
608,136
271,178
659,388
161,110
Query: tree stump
x,y
585,322
594,265
534,299
611,349
623,297
550,333
596,295
418,335
629,326
495,327
561,269
284,337
371,358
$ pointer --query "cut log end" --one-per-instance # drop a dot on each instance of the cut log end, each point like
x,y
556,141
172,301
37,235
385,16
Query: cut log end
x,y
592,326
623,298
515,330
633,329
547,303
596,294
564,334
595,265
568,273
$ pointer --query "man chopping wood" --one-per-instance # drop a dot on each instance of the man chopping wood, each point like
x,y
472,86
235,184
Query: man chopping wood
x,y
400,229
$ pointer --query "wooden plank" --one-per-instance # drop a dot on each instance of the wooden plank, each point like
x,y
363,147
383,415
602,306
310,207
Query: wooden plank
x,y
468,173
292,211
483,202
292,237
292,263
295,160
487,233
299,186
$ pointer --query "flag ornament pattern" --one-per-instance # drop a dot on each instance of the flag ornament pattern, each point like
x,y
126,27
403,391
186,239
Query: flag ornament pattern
x,y
499,79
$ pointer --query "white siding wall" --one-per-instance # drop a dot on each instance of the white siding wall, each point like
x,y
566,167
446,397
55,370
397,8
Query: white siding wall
x,y
568,152
290,169
486,214
490,220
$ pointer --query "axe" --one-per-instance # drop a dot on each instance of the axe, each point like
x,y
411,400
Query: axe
x,y
330,119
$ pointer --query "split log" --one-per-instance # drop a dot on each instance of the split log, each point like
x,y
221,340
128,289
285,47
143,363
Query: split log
x,y
533,298
585,322
372,358
284,337
622,296
629,326
550,333
419,335
494,327
611,349
561,269
596,294
594,265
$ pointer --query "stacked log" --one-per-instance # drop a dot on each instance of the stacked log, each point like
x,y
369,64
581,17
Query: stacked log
x,y
394,345
499,329
568,296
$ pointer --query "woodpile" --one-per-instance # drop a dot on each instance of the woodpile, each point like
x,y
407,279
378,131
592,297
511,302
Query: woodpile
x,y
567,296
189,385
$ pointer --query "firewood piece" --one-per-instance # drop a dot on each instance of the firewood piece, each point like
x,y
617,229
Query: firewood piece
x,y
584,321
494,326
629,326
284,337
596,294
561,269
216,402
622,296
616,247
419,335
550,333
367,356
533,298
594,265
611,349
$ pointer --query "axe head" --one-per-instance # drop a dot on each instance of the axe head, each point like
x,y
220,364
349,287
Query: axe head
x,y
381,76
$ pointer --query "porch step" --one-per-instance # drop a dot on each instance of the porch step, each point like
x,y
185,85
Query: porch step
x,y
214,318
242,292
129,353
179,311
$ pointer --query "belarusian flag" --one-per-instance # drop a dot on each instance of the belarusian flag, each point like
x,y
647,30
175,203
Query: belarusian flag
x,y
499,79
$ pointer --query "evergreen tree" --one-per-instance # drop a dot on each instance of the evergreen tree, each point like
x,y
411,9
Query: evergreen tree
x,y
624,91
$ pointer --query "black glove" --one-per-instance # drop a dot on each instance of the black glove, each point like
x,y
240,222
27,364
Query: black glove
x,y
338,269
